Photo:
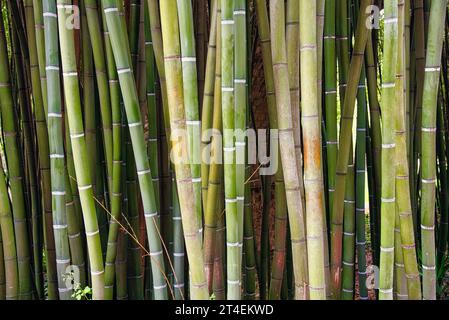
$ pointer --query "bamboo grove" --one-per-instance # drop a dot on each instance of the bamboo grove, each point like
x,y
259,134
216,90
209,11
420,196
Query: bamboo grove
x,y
224,149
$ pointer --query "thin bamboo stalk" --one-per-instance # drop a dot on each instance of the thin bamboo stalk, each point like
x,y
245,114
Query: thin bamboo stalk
x,y
9,241
330,99
388,205
347,291
404,214
215,169
128,88
360,179
240,109
190,93
288,157
428,132
233,243
77,137
98,49
209,92
55,135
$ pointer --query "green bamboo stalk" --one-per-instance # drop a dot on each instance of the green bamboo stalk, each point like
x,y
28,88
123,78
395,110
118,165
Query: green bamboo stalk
x,y
133,31
77,136
344,149
74,234
400,280
190,93
330,92
130,211
209,92
99,49
290,169
249,243
240,109
9,241
151,73
219,273
115,180
360,186
40,46
233,253
388,205
2,271
374,113
342,38
428,132
264,33
129,91
165,132
42,141
14,165
55,134
178,248
404,221
156,35
313,180
320,15
347,291
215,168
121,265
292,43
442,176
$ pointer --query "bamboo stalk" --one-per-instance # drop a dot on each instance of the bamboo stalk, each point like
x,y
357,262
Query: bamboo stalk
x,y
208,99
9,241
190,93
404,209
233,243
388,205
215,169
55,132
77,137
240,108
428,132
287,145
170,35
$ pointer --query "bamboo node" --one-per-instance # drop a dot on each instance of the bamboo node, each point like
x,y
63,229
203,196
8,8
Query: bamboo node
x,y
429,181
91,234
155,254
62,261
160,287
431,228
50,15
432,69
429,268
109,10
